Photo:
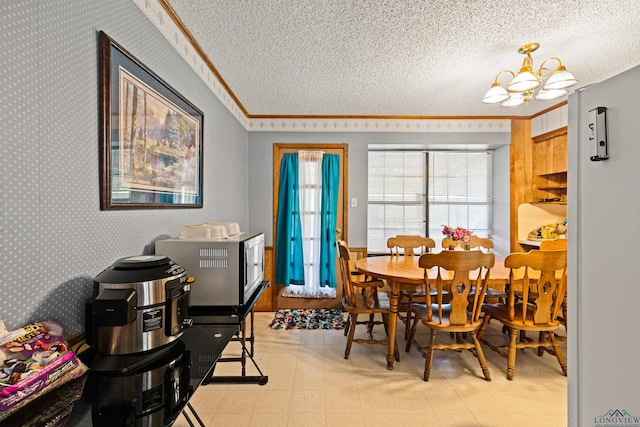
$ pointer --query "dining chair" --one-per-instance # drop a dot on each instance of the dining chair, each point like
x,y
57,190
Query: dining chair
x,y
362,298
475,242
561,244
409,245
459,272
557,244
482,243
535,309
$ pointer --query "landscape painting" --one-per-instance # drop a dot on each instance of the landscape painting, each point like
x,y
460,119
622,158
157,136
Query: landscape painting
x,y
152,148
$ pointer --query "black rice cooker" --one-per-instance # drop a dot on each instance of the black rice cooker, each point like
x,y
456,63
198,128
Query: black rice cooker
x,y
140,304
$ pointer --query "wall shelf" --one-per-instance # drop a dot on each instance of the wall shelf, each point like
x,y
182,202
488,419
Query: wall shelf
x,y
553,187
552,173
529,243
564,202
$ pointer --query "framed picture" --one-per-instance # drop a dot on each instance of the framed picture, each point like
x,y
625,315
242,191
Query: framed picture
x,y
151,148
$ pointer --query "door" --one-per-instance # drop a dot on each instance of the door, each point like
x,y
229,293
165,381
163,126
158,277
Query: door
x,y
341,218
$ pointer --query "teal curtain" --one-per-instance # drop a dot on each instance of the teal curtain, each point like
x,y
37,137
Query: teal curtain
x,y
289,260
330,185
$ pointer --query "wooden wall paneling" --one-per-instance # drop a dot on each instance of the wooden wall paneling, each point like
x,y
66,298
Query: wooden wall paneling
x,y
529,180
520,174
357,253
266,301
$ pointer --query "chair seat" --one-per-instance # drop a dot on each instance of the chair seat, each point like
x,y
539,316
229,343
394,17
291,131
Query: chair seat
x,y
501,313
437,324
361,306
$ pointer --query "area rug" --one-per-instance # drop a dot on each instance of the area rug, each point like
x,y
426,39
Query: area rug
x,y
308,318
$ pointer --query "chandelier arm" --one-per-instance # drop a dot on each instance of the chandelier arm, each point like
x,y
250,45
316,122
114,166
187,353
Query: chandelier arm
x,y
504,71
549,59
543,73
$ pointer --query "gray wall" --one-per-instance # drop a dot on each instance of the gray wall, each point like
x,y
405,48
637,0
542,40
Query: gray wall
x,y
261,170
501,202
603,292
54,237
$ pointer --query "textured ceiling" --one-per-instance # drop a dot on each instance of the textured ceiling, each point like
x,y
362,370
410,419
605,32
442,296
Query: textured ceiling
x,y
402,58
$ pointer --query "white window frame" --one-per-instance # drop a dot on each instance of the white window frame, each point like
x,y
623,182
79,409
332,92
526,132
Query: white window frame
x,y
380,204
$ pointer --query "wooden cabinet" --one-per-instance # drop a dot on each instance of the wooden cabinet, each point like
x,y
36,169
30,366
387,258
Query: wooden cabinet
x,y
549,164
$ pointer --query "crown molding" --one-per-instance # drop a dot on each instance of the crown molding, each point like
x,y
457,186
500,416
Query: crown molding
x,y
164,18
171,27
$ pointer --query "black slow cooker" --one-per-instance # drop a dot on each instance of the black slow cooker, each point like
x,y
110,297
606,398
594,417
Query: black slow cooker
x,y
140,304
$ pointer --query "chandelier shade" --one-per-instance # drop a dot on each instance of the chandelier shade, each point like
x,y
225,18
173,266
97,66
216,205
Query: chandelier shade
x,y
524,81
496,94
560,79
514,100
520,90
547,95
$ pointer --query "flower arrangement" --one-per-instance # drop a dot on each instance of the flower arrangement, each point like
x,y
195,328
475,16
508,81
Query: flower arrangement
x,y
457,233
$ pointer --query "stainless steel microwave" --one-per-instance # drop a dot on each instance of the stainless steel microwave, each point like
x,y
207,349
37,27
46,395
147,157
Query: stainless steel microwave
x,y
227,271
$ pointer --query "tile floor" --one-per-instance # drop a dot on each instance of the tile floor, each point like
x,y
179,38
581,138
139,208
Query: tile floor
x,y
311,384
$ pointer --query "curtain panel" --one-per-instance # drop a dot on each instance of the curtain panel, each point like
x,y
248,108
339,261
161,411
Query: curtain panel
x,y
330,186
289,261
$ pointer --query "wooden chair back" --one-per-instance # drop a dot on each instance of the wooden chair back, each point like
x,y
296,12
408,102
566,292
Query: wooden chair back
x,y
475,242
407,244
458,273
344,259
547,245
543,286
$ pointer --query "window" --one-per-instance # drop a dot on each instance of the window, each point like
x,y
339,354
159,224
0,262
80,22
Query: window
x,y
397,188
416,192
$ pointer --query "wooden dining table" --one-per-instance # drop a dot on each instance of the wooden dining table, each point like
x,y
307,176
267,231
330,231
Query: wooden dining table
x,y
405,272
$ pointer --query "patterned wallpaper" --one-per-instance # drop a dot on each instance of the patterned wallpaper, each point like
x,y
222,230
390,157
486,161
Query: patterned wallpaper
x,y
552,120
54,238
382,125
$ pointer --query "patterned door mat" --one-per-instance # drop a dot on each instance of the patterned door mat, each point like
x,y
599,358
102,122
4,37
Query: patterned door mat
x,y
308,318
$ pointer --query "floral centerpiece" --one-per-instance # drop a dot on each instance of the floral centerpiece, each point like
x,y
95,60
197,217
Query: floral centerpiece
x,y
457,233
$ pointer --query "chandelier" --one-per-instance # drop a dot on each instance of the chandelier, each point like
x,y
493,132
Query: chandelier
x,y
521,88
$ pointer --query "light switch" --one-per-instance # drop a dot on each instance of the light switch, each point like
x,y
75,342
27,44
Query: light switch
x,y
354,202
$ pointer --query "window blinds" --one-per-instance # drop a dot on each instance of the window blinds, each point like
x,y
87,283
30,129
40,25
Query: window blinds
x,y
416,192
